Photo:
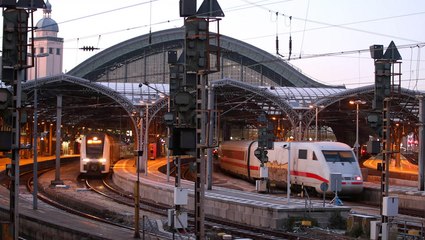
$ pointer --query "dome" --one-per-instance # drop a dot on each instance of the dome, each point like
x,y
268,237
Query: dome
x,y
47,24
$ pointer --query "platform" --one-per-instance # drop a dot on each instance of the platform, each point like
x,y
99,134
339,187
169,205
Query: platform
x,y
253,209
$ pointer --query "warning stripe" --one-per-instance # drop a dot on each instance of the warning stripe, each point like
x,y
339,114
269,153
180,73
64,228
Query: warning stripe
x,y
294,173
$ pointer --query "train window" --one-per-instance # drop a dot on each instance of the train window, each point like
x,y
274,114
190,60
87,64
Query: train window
x,y
94,151
302,154
338,156
94,148
314,156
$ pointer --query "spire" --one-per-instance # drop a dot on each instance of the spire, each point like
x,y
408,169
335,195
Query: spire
x,y
47,11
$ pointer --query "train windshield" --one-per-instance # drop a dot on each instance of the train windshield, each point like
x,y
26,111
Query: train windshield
x,y
94,148
338,156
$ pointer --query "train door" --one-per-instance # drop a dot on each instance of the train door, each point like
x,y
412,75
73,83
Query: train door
x,y
301,164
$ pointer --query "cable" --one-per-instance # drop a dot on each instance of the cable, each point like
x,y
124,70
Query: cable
x,y
277,35
305,24
410,69
355,51
150,22
417,68
290,38
237,8
349,28
108,11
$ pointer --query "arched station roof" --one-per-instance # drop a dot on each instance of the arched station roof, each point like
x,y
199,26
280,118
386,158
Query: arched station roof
x,y
112,104
294,99
83,101
268,65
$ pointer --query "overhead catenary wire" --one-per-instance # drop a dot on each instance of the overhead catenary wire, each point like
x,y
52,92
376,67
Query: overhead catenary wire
x,y
257,5
305,25
290,38
246,6
277,35
236,8
345,25
410,66
418,67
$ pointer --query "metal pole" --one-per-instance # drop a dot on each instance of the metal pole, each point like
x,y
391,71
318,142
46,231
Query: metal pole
x,y
146,140
14,192
356,145
210,137
168,129
200,156
168,150
421,157
288,179
317,115
57,180
137,186
35,130
141,146
300,116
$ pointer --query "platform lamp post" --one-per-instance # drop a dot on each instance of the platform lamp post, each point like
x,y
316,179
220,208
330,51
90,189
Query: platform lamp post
x,y
168,129
356,144
35,130
137,186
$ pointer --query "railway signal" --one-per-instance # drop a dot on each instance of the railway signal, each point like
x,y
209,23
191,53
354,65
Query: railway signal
x,y
386,89
190,99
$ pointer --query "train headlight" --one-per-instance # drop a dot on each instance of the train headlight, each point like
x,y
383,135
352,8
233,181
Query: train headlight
x,y
86,160
358,178
102,160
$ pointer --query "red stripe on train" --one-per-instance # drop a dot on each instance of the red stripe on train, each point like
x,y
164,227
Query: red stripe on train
x,y
294,173
309,175
243,165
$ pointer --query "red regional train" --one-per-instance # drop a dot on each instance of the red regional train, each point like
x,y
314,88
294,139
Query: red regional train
x,y
312,163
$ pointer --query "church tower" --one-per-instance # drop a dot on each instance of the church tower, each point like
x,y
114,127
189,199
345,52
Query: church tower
x,y
48,47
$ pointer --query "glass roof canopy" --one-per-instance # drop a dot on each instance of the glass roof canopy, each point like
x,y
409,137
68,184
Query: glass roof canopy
x,y
296,97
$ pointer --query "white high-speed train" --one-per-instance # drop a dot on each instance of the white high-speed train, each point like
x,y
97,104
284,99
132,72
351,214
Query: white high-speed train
x,y
97,152
311,163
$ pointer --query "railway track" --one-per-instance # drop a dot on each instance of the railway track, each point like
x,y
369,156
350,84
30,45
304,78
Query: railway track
x,y
107,189
213,225
26,179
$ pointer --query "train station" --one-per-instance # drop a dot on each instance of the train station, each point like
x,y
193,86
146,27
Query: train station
x,y
244,95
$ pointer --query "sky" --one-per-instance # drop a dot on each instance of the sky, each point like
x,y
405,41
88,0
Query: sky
x,y
330,38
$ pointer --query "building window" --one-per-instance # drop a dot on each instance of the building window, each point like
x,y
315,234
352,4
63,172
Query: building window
x,y
42,50
50,50
58,51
